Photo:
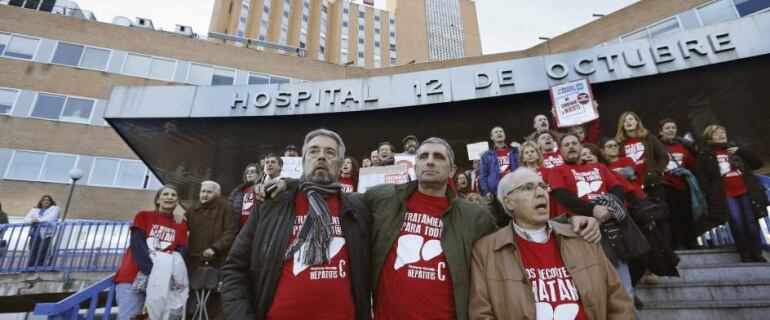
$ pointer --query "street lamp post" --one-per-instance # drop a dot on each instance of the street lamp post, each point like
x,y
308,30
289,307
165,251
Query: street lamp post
x,y
75,174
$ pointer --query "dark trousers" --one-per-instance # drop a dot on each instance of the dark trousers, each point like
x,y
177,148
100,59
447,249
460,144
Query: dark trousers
x,y
680,209
744,225
38,251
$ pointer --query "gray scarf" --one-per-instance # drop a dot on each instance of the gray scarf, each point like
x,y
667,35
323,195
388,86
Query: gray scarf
x,y
316,231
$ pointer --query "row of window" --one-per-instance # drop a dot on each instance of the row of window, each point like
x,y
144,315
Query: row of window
x,y
707,14
392,37
361,35
100,172
134,64
49,106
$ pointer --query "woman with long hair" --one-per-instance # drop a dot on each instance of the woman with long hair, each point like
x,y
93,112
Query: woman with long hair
x,y
532,157
157,230
41,231
349,175
462,182
733,193
645,150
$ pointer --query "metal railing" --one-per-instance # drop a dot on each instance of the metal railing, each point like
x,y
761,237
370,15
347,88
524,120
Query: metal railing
x,y
63,246
69,308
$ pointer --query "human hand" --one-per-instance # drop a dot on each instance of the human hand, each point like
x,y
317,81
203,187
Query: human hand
x,y
587,228
601,213
274,188
178,217
208,253
515,145
732,150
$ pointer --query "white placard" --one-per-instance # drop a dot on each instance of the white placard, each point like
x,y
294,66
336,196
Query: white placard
x,y
374,176
409,161
476,149
573,103
292,167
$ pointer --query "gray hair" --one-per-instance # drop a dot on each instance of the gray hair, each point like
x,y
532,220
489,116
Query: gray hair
x,y
507,182
327,133
214,184
435,140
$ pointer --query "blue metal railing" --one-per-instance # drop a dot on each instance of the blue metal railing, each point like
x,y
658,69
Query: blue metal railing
x,y
70,306
63,246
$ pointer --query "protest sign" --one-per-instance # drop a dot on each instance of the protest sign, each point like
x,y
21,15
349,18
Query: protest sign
x,y
374,176
292,167
573,103
408,160
476,149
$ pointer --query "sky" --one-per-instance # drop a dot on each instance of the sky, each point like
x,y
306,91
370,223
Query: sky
x,y
505,25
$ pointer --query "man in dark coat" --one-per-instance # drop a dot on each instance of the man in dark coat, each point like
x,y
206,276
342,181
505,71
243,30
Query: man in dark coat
x,y
213,227
306,253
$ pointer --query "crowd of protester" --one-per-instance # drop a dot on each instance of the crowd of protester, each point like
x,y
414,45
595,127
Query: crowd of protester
x,y
440,246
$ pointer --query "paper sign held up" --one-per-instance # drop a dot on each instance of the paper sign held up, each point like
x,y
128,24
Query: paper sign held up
x,y
476,149
573,103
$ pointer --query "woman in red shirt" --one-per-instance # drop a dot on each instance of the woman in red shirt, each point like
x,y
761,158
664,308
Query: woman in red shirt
x,y
157,230
623,167
349,175
681,159
733,193
645,150
242,198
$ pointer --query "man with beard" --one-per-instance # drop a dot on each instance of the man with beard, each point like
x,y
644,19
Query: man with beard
x,y
306,253
410,143
422,238
540,123
547,143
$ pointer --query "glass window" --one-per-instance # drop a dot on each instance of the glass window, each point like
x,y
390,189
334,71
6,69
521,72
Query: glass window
x,y
716,12
21,47
137,65
747,7
641,34
199,74
94,58
361,27
274,79
345,24
25,165
68,54
665,27
361,14
103,172
57,167
131,174
360,54
48,106
162,69
4,38
153,183
77,110
222,77
360,40
7,98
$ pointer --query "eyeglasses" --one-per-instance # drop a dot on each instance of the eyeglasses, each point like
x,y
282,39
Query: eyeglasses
x,y
614,146
530,187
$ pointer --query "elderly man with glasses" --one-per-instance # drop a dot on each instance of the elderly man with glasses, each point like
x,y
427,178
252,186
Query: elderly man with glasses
x,y
539,269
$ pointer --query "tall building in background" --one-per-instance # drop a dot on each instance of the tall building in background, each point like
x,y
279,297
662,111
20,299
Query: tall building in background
x,y
356,33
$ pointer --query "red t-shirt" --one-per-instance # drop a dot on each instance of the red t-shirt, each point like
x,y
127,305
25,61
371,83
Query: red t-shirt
x,y
556,296
552,159
415,282
628,186
348,185
159,228
305,290
678,157
553,206
731,177
626,162
503,161
586,180
633,148
249,200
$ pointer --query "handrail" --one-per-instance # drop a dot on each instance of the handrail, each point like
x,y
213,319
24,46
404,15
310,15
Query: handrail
x,y
63,246
70,306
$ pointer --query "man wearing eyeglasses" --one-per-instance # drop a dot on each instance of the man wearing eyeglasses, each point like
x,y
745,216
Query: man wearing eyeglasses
x,y
549,272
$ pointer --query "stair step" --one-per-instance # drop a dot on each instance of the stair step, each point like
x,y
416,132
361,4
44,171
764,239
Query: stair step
x,y
721,272
748,290
706,310
708,256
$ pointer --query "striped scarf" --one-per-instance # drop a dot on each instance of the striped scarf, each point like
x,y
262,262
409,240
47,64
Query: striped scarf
x,y
316,231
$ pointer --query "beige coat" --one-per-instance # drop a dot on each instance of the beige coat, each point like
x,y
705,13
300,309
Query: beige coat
x,y
500,289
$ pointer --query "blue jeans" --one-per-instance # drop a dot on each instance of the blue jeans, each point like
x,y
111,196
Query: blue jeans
x,y
130,301
744,225
625,278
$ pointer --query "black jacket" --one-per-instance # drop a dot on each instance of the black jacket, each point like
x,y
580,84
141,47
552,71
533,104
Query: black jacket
x,y
235,199
253,268
707,172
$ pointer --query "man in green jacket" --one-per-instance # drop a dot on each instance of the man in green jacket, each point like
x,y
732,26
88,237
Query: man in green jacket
x,y
422,239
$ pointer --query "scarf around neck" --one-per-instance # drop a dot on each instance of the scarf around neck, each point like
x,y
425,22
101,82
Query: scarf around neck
x,y
315,235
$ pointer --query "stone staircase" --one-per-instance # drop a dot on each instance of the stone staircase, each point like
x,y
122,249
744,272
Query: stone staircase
x,y
714,284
